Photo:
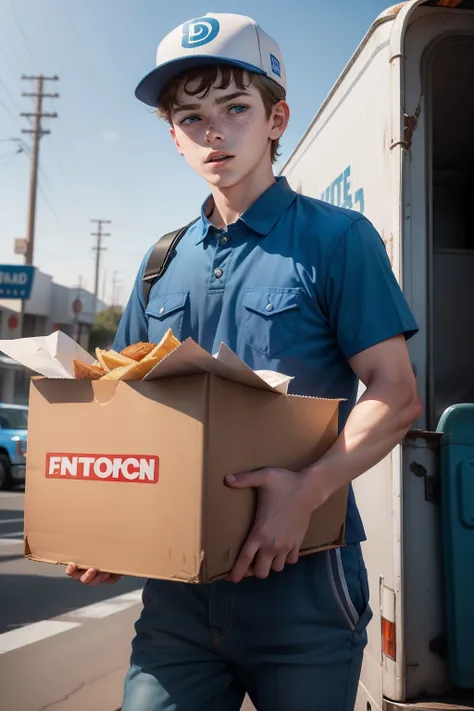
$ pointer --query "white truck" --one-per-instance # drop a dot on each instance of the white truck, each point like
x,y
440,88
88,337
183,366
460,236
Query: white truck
x,y
395,140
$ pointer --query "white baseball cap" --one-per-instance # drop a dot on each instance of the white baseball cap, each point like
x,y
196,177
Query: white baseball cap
x,y
216,38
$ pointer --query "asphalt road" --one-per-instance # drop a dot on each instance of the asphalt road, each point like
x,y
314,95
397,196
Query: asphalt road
x,y
63,646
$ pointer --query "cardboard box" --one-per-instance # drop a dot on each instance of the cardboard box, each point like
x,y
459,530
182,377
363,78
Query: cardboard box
x,y
128,477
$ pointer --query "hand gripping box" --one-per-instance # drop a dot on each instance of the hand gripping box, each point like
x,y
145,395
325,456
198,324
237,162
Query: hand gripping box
x,y
128,477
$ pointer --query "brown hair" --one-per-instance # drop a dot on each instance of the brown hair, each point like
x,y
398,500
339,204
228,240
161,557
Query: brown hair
x,y
220,77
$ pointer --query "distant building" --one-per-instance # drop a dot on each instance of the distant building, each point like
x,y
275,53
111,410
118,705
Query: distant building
x,y
50,308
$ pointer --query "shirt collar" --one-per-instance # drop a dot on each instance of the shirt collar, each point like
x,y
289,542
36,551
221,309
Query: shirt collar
x,y
262,215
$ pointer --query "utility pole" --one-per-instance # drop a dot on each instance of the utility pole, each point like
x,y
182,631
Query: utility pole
x,y
98,249
37,131
104,287
115,288
76,313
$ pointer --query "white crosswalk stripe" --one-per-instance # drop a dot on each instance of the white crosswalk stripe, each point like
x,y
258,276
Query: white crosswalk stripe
x,y
33,633
108,607
38,631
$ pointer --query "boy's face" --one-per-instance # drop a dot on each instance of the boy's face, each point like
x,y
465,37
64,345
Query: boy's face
x,y
226,135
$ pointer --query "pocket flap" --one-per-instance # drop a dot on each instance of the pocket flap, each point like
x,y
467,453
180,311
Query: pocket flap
x,y
268,302
165,304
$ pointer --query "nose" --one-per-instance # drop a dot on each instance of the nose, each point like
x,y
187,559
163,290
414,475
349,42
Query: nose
x,y
214,133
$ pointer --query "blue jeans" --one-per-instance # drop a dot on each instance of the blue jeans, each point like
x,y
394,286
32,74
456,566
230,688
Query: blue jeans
x,y
293,642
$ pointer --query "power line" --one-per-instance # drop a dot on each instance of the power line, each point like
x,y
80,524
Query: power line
x,y
11,153
4,106
47,201
9,159
25,148
21,31
8,93
28,150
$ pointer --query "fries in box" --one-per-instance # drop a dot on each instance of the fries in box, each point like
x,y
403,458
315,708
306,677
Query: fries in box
x,y
132,363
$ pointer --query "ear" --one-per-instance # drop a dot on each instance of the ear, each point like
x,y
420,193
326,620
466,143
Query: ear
x,y
279,119
175,140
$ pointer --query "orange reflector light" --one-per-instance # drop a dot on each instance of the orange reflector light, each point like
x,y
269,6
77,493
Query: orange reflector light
x,y
389,639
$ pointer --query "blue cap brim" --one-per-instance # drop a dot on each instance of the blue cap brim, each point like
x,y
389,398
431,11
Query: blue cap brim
x,y
151,86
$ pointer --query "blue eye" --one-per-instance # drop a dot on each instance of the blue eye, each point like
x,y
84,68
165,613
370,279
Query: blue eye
x,y
238,109
190,119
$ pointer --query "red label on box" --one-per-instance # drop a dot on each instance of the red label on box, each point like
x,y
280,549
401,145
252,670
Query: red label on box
x,y
137,468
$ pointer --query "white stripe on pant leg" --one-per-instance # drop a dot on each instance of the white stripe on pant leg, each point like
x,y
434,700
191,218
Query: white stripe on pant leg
x,y
334,591
342,576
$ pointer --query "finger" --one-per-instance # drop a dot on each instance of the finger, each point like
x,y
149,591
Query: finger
x,y
293,557
244,561
72,571
99,578
247,480
71,568
88,576
263,564
114,578
279,562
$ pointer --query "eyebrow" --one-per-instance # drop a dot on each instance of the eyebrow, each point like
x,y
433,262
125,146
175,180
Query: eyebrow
x,y
219,101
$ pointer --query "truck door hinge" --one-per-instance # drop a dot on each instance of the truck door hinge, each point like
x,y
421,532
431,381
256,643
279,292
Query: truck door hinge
x,y
432,492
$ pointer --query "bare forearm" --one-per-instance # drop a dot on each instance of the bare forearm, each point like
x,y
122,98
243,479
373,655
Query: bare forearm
x,y
377,423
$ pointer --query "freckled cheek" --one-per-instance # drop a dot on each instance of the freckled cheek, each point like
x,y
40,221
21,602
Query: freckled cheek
x,y
190,141
192,133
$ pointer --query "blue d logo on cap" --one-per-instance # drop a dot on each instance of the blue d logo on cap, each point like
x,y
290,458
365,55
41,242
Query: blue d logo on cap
x,y
199,32
276,66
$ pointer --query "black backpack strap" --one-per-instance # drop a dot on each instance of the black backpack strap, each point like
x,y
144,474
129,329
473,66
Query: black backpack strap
x,y
160,258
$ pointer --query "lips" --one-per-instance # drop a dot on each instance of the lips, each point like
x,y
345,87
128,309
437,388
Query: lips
x,y
218,157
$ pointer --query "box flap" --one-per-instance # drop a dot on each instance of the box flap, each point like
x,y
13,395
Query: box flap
x,y
189,359
51,356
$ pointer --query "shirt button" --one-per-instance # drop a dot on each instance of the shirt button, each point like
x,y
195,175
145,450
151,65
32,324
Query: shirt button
x,y
161,311
269,307
218,273
224,240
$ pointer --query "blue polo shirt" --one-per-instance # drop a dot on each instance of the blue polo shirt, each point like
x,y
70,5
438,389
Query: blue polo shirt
x,y
294,285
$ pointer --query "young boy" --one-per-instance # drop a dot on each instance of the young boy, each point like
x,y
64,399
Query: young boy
x,y
290,284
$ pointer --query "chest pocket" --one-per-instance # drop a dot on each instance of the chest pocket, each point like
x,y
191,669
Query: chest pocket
x,y
166,311
271,318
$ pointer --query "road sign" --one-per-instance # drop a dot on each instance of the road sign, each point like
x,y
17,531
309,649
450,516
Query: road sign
x,y
21,246
16,281
13,323
77,306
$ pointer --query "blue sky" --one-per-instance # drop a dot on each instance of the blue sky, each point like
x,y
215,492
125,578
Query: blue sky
x,y
108,156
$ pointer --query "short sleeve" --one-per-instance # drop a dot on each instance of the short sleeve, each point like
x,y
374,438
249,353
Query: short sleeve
x,y
133,326
364,301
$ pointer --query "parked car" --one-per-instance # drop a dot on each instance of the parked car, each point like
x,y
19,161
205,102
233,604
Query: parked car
x,y
13,434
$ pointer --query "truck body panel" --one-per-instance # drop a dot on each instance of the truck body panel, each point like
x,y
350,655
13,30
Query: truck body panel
x,y
376,145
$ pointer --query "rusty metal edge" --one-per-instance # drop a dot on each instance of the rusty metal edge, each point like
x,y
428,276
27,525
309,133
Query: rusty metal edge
x,y
425,706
